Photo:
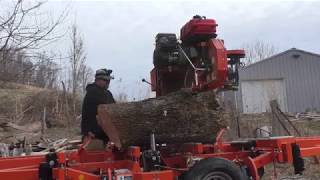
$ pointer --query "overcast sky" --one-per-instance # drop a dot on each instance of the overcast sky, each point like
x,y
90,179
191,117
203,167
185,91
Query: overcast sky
x,y
120,34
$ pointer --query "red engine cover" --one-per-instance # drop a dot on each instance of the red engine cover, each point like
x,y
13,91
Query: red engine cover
x,y
198,29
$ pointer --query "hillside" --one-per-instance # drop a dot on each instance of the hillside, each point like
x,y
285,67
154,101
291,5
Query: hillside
x,y
31,112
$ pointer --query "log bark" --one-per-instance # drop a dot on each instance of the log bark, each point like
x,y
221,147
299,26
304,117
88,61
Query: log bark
x,y
179,117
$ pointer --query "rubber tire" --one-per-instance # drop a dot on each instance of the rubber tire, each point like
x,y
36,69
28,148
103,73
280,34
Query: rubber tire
x,y
209,165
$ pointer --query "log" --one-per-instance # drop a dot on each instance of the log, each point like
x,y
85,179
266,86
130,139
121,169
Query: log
x,y
179,117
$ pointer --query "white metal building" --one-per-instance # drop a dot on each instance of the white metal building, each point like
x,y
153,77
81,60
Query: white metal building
x,y
291,77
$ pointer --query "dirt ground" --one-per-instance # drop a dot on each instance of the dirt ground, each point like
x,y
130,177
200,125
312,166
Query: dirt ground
x,y
307,127
286,171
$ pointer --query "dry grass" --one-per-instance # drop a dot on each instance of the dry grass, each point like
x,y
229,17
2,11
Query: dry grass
x,y
286,171
248,123
25,106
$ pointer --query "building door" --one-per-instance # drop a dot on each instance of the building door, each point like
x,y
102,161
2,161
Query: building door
x,y
257,94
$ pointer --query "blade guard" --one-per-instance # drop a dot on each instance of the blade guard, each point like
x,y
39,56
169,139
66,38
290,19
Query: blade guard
x,y
217,75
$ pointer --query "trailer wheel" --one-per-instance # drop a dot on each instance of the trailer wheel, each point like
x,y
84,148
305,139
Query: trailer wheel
x,y
214,169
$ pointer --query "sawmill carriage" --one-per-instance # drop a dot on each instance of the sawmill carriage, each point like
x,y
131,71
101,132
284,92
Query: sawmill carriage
x,y
197,62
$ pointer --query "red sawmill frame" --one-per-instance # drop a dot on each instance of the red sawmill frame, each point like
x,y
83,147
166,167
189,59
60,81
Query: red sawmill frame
x,y
83,165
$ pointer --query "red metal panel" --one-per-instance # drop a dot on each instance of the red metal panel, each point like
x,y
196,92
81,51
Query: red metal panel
x,y
252,168
236,53
61,173
119,164
287,153
155,175
226,155
274,142
20,168
218,54
94,156
308,141
153,75
194,148
24,174
208,148
263,159
198,27
13,162
28,173
310,151
175,161
74,174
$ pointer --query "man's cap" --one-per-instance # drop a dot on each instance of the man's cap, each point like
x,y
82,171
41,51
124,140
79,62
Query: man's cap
x,y
104,74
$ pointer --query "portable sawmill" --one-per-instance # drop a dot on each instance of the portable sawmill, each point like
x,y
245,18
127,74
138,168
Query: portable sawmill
x,y
200,62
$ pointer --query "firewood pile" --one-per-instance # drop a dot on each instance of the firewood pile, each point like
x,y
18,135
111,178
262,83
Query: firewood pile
x,y
311,116
23,148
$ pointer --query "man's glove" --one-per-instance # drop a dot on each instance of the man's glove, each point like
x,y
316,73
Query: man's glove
x,y
91,135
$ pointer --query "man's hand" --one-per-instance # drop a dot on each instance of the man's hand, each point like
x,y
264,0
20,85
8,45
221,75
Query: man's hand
x,y
112,145
91,135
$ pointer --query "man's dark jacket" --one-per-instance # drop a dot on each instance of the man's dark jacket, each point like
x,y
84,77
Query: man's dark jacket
x,y
95,95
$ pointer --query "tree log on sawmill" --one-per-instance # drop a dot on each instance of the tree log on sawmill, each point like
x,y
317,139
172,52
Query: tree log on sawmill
x,y
175,118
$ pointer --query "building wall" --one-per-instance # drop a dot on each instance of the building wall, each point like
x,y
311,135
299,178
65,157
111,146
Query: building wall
x,y
257,94
301,77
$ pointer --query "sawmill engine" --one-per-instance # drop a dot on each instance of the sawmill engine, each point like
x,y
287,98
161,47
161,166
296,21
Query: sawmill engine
x,y
198,60
166,52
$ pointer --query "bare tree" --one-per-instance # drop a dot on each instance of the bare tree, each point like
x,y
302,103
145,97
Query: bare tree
x,y
121,97
121,94
24,28
86,75
77,60
40,70
258,50
45,72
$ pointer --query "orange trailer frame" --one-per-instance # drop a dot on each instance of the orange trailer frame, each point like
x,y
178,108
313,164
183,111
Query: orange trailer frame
x,y
79,164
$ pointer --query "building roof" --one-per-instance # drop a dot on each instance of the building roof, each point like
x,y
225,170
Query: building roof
x,y
282,53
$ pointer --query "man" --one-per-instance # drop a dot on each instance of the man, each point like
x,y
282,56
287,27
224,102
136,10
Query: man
x,y
97,93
